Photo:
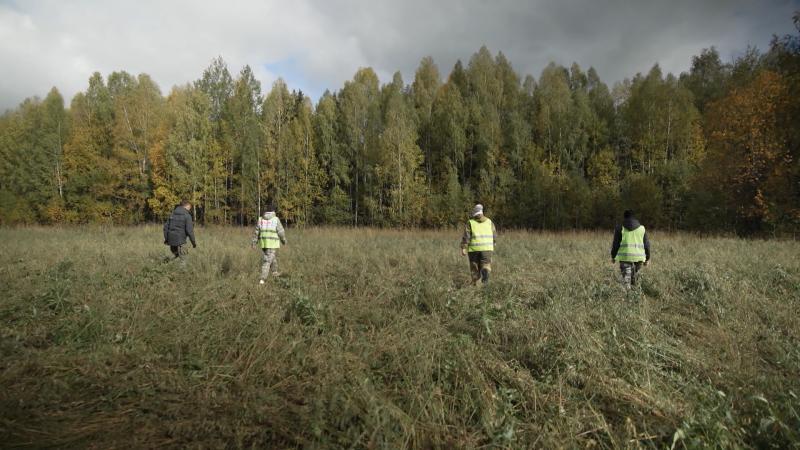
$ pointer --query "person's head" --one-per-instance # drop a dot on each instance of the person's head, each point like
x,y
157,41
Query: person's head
x,y
186,204
628,214
477,210
270,209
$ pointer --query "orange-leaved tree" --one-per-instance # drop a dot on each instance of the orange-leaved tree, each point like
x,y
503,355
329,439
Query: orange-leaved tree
x,y
747,148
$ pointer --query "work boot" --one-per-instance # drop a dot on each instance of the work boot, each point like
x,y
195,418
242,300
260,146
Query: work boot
x,y
484,276
476,280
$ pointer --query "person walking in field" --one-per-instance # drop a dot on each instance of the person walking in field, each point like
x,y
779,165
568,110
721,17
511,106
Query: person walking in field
x,y
177,228
630,248
478,244
269,235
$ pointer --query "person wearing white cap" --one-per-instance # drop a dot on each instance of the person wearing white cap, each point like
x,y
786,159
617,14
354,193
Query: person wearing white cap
x,y
478,241
269,235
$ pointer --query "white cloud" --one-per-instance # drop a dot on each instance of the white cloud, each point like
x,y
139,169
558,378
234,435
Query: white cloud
x,y
45,43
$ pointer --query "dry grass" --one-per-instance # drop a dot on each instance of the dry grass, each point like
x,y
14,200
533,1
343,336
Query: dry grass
x,y
372,339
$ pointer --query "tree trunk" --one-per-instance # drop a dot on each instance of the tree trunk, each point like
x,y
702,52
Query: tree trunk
x,y
60,152
258,184
669,125
133,138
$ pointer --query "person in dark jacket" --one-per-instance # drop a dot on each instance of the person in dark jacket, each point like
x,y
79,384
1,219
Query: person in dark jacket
x,y
177,228
630,247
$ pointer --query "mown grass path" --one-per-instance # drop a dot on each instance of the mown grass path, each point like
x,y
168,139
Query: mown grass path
x,y
373,339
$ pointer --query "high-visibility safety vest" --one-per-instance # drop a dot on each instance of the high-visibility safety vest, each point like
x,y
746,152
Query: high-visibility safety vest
x,y
268,233
481,238
631,247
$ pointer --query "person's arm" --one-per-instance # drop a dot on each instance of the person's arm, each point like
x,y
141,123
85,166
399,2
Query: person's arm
x,y
646,247
466,237
281,232
615,243
494,235
190,230
256,234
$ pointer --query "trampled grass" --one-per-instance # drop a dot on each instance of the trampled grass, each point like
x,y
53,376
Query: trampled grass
x,y
373,339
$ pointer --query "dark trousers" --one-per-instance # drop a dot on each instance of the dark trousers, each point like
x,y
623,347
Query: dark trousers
x,y
179,251
480,264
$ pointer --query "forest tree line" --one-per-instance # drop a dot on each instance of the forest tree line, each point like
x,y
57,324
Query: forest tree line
x,y
716,148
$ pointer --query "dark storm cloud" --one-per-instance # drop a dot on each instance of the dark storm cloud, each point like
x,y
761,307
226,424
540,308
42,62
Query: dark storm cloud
x,y
318,44
618,38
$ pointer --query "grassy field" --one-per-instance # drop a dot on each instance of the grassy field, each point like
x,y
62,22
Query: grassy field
x,y
373,339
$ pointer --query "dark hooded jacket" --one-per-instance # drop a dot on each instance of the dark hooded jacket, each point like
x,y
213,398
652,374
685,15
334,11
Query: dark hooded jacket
x,y
630,224
178,227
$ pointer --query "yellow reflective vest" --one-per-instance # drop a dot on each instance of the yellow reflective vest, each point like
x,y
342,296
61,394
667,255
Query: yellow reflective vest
x,y
268,233
631,247
481,238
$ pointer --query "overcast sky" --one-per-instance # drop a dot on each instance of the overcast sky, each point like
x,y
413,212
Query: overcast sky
x,y
318,44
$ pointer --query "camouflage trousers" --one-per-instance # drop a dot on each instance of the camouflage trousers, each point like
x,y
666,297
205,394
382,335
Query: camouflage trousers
x,y
629,271
480,265
180,252
269,262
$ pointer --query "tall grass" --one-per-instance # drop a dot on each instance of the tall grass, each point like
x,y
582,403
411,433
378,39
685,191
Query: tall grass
x,y
374,339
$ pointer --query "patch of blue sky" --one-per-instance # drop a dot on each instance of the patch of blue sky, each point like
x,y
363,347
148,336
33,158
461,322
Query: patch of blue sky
x,y
295,78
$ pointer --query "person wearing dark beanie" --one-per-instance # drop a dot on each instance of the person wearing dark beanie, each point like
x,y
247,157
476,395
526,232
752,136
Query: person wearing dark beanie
x,y
630,248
